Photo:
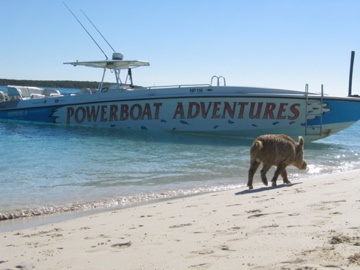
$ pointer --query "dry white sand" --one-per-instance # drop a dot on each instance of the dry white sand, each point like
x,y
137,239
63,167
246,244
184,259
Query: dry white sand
x,y
313,224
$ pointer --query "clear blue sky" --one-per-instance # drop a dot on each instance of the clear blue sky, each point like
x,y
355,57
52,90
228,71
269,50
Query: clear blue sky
x,y
266,43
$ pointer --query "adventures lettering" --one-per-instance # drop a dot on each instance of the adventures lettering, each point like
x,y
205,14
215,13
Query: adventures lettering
x,y
182,110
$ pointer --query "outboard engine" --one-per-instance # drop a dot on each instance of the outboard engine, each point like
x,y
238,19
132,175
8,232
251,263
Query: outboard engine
x,y
3,96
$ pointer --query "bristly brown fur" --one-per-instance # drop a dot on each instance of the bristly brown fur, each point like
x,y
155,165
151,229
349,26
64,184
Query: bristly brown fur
x,y
275,150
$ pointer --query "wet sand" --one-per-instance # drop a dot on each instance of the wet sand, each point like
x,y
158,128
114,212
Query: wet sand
x,y
310,224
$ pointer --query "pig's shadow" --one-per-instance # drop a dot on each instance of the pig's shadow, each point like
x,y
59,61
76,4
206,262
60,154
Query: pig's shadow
x,y
257,190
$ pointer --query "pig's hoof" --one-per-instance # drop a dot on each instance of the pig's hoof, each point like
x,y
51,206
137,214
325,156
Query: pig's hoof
x,y
274,184
251,187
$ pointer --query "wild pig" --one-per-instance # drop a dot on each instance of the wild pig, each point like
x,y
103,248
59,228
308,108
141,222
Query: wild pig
x,y
275,150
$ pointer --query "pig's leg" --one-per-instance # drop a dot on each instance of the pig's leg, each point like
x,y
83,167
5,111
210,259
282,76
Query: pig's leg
x,y
285,178
279,170
254,165
263,171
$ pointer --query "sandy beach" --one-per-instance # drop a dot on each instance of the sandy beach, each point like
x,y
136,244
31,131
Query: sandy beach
x,y
312,224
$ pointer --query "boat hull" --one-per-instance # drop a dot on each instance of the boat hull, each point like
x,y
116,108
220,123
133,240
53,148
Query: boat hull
x,y
233,113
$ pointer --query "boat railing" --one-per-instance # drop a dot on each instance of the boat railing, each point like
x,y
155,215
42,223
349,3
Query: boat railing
x,y
179,86
218,78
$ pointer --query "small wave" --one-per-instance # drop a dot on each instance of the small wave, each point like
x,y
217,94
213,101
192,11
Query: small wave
x,y
127,201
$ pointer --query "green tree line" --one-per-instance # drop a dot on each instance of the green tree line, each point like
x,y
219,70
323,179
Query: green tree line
x,y
55,84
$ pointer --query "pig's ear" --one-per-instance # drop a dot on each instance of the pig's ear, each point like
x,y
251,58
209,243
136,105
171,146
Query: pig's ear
x,y
301,141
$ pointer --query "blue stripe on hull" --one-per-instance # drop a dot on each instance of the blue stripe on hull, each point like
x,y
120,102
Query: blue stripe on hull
x,y
341,111
33,115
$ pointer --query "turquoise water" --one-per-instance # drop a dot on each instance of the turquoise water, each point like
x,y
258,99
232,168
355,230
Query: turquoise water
x,y
49,168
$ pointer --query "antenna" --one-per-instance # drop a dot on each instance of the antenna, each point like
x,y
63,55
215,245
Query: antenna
x,y
97,30
351,72
86,30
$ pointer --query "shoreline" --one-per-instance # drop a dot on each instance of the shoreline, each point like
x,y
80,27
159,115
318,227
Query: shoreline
x,y
115,203
313,222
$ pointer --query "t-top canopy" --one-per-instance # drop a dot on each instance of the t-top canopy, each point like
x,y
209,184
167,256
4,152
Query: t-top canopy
x,y
111,64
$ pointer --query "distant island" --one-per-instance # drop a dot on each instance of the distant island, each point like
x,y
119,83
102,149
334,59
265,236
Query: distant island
x,y
54,84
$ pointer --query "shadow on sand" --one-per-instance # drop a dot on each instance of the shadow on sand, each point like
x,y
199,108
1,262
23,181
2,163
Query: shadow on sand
x,y
262,189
